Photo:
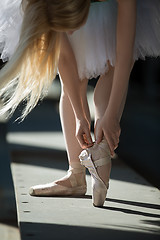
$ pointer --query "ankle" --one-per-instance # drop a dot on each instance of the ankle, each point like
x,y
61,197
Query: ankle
x,y
80,178
102,160
79,173
76,168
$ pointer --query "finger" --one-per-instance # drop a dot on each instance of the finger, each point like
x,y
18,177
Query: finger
x,y
87,142
99,136
115,142
111,145
82,141
88,137
115,147
80,137
115,139
95,128
117,136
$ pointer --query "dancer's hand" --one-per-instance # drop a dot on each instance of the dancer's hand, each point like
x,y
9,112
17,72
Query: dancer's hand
x,y
110,129
83,133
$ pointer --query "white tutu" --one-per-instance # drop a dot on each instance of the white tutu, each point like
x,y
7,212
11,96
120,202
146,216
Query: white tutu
x,y
11,17
94,43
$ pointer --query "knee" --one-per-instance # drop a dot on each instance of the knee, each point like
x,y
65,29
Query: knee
x,y
103,89
82,89
96,98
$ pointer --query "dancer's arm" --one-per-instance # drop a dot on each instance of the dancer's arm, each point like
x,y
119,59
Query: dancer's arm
x,y
71,84
126,25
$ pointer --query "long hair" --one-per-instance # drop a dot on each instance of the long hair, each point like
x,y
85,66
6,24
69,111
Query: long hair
x,y
32,68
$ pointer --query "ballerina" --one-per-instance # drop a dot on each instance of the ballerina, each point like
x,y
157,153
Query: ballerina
x,y
82,40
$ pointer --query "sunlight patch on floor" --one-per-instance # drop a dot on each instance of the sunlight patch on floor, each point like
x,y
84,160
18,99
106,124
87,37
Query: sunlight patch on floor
x,y
51,140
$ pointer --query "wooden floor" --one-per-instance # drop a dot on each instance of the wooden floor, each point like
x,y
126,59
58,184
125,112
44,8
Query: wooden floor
x,y
130,211
132,207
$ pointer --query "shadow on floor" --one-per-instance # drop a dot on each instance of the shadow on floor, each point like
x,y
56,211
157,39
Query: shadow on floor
x,y
38,231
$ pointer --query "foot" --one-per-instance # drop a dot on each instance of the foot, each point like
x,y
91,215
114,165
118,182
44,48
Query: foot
x,y
101,151
98,161
73,184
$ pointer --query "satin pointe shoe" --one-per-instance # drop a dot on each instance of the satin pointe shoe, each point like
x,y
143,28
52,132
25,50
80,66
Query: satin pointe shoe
x,y
76,176
92,158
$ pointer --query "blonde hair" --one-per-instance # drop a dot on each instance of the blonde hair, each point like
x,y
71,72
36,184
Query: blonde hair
x,y
32,68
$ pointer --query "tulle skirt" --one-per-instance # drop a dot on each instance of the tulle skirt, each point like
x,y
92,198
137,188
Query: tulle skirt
x,y
93,44
11,17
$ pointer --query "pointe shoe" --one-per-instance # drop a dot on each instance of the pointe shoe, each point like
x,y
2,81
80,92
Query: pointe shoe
x,y
99,188
78,188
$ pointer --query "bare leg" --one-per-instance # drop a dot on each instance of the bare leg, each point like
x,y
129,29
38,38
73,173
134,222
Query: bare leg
x,y
74,183
101,99
68,122
69,127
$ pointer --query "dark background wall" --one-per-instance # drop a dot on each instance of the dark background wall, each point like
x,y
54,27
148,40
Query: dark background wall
x,y
140,139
